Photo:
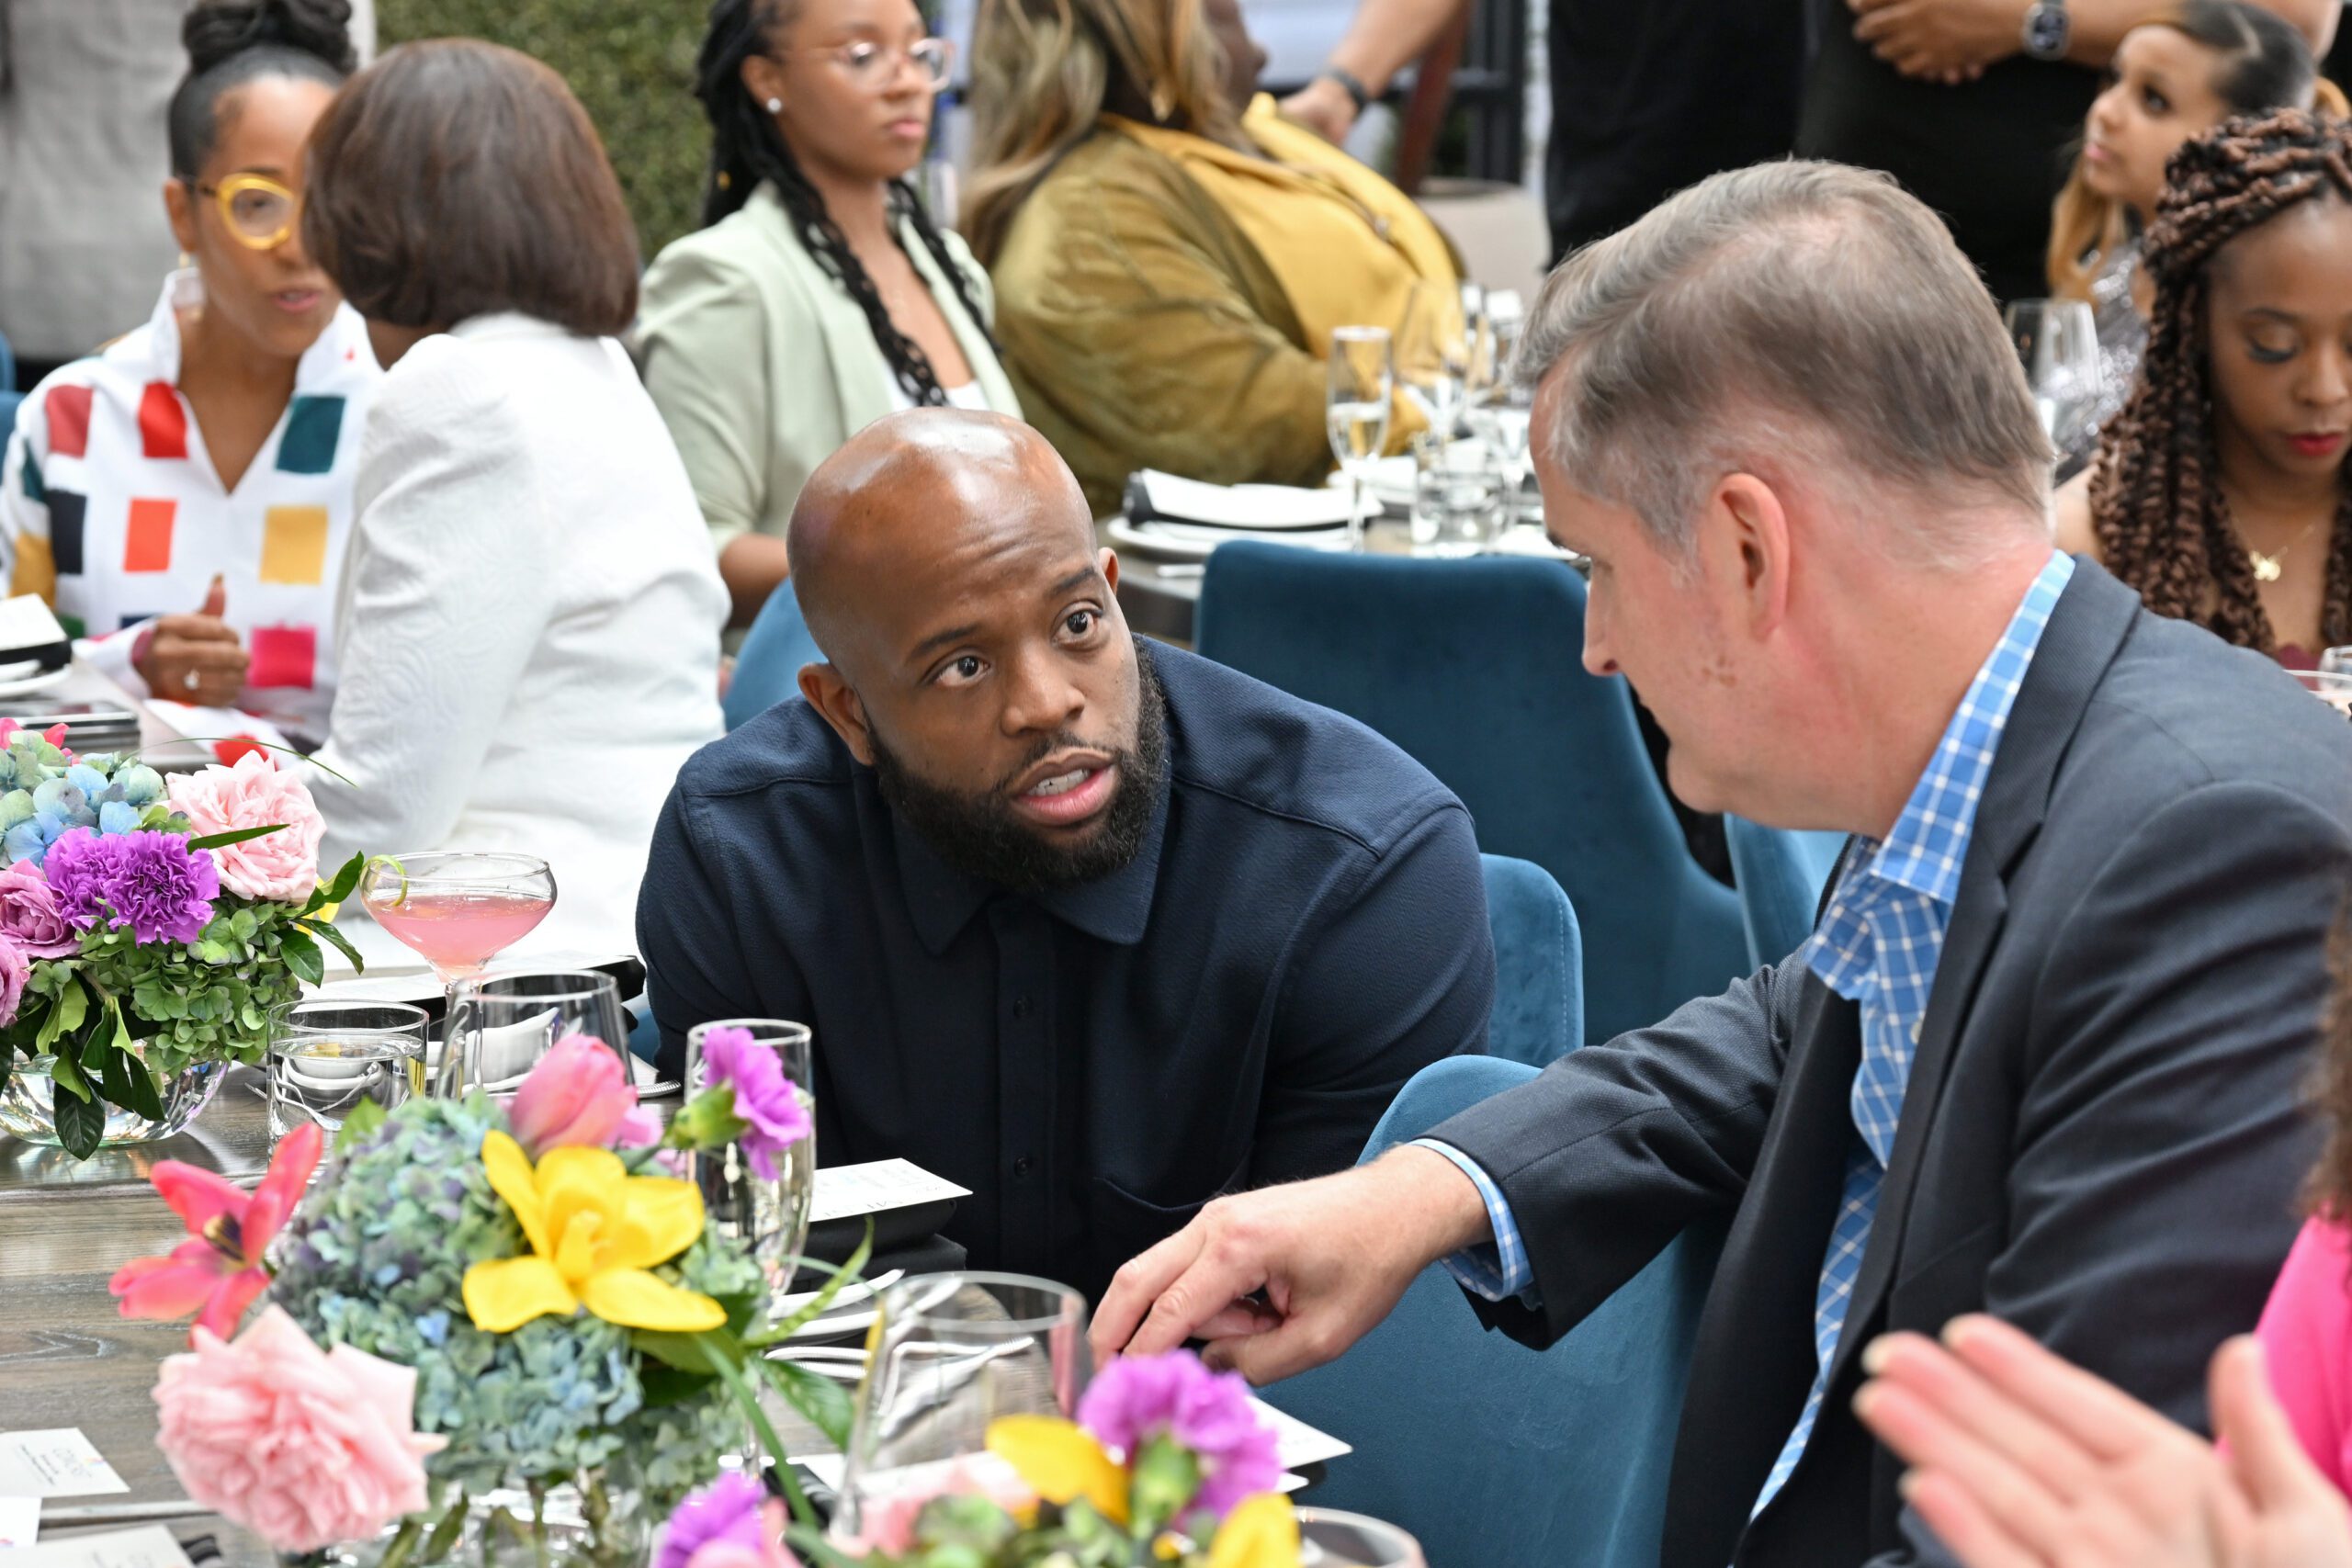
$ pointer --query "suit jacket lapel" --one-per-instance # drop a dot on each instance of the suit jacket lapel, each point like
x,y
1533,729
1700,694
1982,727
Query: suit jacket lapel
x,y
2087,628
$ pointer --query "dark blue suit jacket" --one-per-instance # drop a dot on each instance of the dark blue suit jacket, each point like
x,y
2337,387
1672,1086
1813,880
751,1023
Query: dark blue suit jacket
x,y
2101,1141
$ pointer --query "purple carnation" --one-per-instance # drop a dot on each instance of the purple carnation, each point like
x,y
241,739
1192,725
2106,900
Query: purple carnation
x,y
149,881
1136,1398
727,1510
29,916
764,1097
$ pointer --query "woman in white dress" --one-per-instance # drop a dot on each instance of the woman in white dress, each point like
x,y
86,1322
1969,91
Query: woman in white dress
x,y
529,627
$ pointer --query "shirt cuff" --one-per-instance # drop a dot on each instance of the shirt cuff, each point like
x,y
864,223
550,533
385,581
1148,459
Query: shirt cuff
x,y
1497,1270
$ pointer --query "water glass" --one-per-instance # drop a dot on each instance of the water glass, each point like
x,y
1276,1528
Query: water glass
x,y
1363,388
1458,497
1329,1538
328,1055
499,1025
2058,340
769,1217
948,1354
2332,687
2336,661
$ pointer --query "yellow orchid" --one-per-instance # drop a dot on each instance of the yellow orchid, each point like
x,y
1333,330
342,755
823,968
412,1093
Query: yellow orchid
x,y
1260,1532
596,1232
1061,1462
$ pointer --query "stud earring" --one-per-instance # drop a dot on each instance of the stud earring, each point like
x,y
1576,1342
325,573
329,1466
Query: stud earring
x,y
775,106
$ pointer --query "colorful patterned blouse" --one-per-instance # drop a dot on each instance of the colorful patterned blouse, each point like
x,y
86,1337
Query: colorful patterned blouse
x,y
110,508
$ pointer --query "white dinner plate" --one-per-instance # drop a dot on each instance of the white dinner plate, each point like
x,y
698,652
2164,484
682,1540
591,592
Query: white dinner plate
x,y
1159,540
28,685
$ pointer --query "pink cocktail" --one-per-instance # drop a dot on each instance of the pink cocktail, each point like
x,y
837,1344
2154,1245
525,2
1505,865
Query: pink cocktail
x,y
458,911
457,933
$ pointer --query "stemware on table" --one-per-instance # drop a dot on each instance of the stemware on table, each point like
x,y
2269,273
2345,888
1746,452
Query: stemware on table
x,y
770,1217
458,909
1334,1540
2058,341
948,1354
2332,687
1363,388
499,1025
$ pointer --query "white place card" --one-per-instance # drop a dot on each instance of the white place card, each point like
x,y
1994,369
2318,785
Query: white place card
x,y
148,1546
876,1186
57,1462
19,1521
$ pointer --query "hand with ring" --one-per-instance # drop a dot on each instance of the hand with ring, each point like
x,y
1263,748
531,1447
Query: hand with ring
x,y
196,659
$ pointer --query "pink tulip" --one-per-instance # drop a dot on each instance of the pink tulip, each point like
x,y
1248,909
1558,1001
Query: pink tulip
x,y
578,1095
219,1269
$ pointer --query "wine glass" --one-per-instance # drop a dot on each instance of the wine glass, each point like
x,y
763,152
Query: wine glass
x,y
948,1354
2331,687
458,909
1334,1540
769,1218
1363,385
1502,416
499,1025
2058,340
1434,348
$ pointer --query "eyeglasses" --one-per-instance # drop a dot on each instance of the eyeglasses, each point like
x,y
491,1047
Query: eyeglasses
x,y
870,64
260,213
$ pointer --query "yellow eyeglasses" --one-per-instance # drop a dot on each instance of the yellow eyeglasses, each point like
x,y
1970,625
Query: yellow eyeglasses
x,y
260,213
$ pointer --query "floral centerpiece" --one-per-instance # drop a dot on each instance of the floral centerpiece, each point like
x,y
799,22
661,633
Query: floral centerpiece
x,y
548,1337
146,929
1167,1465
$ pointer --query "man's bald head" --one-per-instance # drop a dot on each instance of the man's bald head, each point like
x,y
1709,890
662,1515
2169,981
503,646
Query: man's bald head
x,y
910,487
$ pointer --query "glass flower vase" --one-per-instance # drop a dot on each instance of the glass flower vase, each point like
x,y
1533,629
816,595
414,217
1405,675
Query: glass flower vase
x,y
768,1219
588,1522
27,1105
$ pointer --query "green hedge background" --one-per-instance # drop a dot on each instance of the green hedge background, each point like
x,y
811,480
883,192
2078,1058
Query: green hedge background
x,y
631,62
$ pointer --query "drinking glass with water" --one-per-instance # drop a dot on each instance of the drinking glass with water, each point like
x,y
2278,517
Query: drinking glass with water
x,y
328,1056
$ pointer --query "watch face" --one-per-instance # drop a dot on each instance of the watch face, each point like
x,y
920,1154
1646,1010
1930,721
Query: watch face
x,y
2045,31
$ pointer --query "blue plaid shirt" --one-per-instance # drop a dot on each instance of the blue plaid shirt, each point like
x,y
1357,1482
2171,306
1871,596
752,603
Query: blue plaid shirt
x,y
1877,944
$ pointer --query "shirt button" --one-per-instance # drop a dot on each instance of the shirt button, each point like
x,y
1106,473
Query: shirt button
x,y
1023,1166
1019,1007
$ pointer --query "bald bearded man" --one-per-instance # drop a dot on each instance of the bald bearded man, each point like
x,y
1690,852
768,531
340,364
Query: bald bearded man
x,y
1093,927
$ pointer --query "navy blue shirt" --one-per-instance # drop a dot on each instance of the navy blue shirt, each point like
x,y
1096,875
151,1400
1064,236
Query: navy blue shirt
x,y
1303,929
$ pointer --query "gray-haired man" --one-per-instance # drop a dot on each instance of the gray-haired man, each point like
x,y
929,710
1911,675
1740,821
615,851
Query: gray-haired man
x,y
2041,1057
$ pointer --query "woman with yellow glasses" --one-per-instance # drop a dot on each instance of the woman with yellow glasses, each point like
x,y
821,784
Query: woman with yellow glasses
x,y
183,496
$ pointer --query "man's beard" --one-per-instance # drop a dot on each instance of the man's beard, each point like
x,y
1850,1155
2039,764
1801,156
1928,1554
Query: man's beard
x,y
981,835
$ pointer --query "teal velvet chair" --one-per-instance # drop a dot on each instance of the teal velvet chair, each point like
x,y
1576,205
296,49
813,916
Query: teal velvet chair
x,y
1780,874
1539,980
1475,668
1490,1454
767,667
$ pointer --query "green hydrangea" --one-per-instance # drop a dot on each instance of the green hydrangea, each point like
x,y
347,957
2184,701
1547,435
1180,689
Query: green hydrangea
x,y
375,1259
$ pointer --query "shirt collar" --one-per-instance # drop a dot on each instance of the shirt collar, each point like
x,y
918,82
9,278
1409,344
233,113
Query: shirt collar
x,y
343,341
941,900
1925,849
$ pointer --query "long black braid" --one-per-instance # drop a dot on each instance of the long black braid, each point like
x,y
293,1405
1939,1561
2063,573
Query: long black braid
x,y
747,148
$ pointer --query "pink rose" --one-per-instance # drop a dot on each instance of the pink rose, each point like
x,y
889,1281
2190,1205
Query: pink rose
x,y
28,915
14,970
886,1524
578,1094
303,1447
283,866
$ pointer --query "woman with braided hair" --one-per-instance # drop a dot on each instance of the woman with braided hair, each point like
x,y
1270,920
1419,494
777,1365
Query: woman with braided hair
x,y
2218,493
820,295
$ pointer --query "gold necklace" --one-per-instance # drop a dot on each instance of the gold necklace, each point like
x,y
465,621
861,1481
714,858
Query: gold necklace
x,y
2266,568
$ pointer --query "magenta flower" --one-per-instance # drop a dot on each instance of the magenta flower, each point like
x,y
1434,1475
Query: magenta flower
x,y
765,1099
1136,1399
578,1094
731,1523
29,916
149,881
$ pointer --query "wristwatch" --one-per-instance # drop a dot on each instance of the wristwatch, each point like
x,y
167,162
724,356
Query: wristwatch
x,y
1347,83
2047,29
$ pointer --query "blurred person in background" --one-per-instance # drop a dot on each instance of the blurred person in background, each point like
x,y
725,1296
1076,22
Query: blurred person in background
x,y
1645,100
2175,76
1170,255
530,620
2218,493
1974,104
820,295
184,498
